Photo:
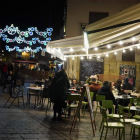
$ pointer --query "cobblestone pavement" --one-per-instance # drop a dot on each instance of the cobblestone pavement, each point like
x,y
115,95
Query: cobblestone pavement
x,y
35,124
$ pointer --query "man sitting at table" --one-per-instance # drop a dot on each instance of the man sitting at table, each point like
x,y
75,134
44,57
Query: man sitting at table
x,y
74,85
106,91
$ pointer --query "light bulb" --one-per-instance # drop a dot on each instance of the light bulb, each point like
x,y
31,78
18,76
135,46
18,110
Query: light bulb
x,y
131,49
106,55
98,56
124,51
96,49
59,50
108,46
120,42
133,38
90,57
71,49
138,47
72,58
52,50
83,49
82,57
115,53
65,58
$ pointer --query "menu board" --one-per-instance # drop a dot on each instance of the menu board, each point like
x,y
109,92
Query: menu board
x,y
90,102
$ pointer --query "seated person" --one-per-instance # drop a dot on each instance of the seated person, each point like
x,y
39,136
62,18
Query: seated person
x,y
88,81
10,79
98,80
118,86
127,85
106,91
74,85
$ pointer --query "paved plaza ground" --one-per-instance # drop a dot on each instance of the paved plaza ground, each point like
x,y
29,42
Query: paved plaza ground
x,y
35,124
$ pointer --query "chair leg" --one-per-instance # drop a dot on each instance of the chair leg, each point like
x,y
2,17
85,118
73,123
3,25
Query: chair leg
x,y
119,135
23,101
95,111
102,133
133,132
131,129
18,102
139,134
129,114
106,133
7,101
116,133
124,134
12,102
101,125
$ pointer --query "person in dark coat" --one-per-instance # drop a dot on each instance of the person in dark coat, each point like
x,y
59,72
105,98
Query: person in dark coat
x,y
58,92
106,91
127,85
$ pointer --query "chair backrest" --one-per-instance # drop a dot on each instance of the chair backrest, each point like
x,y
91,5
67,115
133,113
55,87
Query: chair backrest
x,y
104,115
100,97
121,112
108,104
73,97
32,85
91,95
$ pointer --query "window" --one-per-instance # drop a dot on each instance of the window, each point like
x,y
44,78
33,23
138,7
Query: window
x,y
95,16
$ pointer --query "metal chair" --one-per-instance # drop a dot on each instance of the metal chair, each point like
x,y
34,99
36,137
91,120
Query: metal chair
x,y
17,96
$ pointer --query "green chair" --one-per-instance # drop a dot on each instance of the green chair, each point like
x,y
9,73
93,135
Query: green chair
x,y
123,120
128,107
86,103
72,106
109,104
137,116
99,98
114,125
133,133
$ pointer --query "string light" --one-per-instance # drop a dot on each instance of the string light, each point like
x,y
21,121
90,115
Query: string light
x,y
83,49
131,49
71,50
90,57
138,47
73,58
115,53
106,55
108,46
59,50
120,42
133,38
82,57
65,59
96,49
98,56
124,51
53,50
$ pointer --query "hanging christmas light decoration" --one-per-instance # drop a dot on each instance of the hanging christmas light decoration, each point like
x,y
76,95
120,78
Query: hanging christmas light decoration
x,y
13,30
26,49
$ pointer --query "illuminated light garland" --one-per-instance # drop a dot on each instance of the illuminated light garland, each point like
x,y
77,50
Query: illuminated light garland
x,y
26,49
13,30
20,40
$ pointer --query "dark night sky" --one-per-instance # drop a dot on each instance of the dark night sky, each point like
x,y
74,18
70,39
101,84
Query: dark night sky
x,y
40,14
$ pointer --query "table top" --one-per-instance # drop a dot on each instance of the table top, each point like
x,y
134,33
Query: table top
x,y
136,123
121,97
40,81
72,89
35,88
74,94
134,108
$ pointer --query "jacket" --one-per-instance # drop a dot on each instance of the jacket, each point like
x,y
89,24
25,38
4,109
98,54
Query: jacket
x,y
105,90
94,88
59,86
127,85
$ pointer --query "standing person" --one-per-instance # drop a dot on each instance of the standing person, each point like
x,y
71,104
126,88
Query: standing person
x,y
98,80
58,92
94,87
106,91
5,70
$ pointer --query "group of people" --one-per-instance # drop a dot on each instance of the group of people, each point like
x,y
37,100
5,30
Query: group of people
x,y
107,88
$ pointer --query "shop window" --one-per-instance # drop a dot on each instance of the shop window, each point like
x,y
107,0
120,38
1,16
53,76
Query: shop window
x,y
95,16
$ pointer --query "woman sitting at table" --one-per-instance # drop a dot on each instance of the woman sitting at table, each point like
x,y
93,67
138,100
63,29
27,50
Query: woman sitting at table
x,y
118,86
74,85
106,91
